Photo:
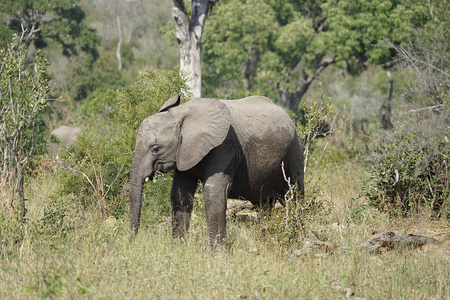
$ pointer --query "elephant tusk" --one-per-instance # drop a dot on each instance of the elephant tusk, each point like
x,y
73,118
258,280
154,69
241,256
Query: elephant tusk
x,y
147,179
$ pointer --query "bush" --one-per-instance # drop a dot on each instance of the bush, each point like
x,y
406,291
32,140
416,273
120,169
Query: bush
x,y
410,168
97,167
23,95
288,226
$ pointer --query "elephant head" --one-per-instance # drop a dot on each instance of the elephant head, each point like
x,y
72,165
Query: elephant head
x,y
176,137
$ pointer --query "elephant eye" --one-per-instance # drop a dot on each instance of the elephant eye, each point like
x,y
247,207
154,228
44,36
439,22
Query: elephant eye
x,y
155,148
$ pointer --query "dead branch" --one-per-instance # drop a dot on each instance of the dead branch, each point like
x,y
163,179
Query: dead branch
x,y
52,213
439,106
388,241
83,174
237,207
290,194
391,240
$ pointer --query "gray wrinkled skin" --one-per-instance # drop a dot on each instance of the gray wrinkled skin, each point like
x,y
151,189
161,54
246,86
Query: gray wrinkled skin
x,y
233,147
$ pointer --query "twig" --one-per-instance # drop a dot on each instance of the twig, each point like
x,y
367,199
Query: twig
x,y
426,108
117,176
79,172
290,192
52,213
56,211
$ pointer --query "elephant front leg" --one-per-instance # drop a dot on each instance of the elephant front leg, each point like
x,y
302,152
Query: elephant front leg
x,y
182,198
215,193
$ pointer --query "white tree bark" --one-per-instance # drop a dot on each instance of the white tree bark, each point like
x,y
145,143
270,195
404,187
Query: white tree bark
x,y
119,44
188,32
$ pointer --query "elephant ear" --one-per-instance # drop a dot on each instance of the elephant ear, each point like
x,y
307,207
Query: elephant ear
x,y
172,102
204,126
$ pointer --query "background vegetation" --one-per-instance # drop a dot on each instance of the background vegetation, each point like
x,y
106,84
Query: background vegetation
x,y
371,80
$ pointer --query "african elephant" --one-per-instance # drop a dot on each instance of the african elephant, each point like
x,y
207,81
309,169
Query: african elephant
x,y
67,135
235,148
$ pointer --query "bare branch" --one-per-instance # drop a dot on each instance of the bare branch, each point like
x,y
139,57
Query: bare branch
x,y
439,106
52,213
290,194
117,176
79,172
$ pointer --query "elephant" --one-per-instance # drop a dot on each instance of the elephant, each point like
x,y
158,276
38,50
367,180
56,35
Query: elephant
x,y
67,135
235,148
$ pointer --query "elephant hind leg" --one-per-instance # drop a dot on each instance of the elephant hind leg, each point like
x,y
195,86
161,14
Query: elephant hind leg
x,y
182,198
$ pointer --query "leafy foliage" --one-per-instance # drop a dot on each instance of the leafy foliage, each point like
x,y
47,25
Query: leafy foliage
x,y
410,169
241,39
86,75
278,48
355,29
23,94
410,166
288,226
423,63
317,119
60,21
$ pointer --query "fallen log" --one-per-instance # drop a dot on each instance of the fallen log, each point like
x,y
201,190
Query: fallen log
x,y
391,240
236,207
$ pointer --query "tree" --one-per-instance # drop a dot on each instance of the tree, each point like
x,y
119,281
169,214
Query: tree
x,y
283,52
423,63
23,93
410,168
188,32
60,21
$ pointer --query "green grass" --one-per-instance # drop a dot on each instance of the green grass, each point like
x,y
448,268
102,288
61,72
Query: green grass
x,y
92,258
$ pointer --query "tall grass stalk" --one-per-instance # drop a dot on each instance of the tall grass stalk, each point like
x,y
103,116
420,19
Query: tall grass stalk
x,y
92,258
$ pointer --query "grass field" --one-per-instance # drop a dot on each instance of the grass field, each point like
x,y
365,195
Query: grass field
x,y
86,257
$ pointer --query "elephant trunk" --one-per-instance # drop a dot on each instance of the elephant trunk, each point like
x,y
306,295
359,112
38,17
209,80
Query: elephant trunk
x,y
136,186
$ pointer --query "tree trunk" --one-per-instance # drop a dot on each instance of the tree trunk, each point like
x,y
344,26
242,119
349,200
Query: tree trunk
x,y
386,112
119,43
291,100
22,208
188,32
19,169
6,181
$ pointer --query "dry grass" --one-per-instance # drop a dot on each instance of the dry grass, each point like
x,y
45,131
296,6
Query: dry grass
x,y
95,259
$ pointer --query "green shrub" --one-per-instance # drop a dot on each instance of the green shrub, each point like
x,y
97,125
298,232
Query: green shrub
x,y
96,169
288,226
410,168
